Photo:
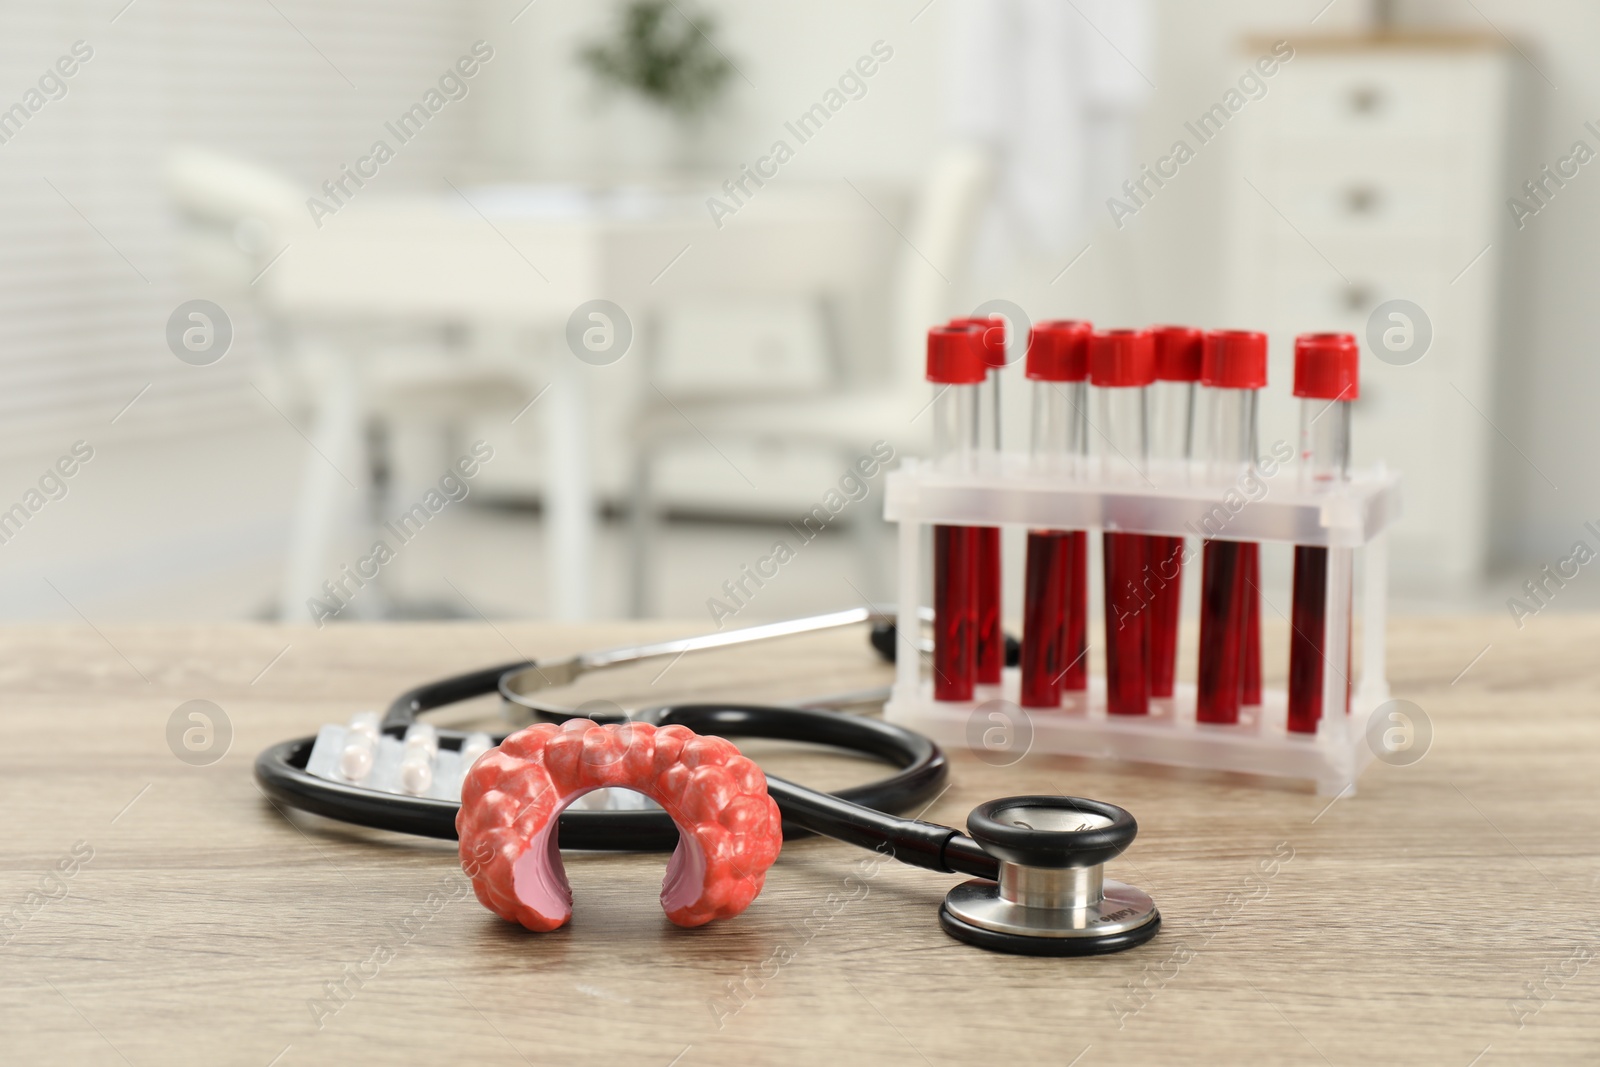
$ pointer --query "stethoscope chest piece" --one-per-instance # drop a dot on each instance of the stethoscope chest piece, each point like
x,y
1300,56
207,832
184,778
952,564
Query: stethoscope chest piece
x,y
1051,898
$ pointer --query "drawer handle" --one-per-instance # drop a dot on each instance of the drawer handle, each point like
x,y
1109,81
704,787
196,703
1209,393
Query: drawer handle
x,y
1357,297
1362,199
1366,99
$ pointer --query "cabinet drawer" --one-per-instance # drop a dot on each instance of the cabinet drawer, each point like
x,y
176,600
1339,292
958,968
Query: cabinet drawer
x,y
1363,272
1410,95
1360,203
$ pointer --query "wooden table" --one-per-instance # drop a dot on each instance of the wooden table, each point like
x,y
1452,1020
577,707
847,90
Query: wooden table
x,y
199,924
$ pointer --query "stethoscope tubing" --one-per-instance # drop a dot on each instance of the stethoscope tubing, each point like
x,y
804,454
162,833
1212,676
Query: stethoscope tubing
x,y
859,815
982,911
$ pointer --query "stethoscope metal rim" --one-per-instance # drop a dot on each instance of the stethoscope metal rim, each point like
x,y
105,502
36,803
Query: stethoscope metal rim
x,y
1121,908
1050,896
1032,944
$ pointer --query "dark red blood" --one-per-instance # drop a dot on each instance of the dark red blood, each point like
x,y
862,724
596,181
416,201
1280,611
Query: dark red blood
x,y
1044,619
1250,669
1127,624
990,638
1166,565
955,613
1307,646
1221,631
1076,656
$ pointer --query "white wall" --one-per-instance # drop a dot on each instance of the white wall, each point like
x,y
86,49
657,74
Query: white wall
x,y
536,116
1550,376
545,120
1549,379
548,121
1544,410
194,474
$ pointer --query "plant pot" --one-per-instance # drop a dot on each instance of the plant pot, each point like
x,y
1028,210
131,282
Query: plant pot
x,y
640,139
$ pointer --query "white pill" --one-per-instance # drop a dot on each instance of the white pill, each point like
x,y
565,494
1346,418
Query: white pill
x,y
416,773
473,746
364,723
422,737
355,761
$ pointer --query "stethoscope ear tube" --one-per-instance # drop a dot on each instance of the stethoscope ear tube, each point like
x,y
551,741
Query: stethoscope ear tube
x,y
404,709
885,638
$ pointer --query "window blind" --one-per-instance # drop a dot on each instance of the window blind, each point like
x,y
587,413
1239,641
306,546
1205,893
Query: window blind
x,y
89,270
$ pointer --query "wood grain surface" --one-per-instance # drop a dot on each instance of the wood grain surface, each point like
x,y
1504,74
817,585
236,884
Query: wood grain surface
x,y
157,912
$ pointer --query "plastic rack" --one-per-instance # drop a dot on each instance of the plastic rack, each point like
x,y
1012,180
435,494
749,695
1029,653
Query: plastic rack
x,y
1175,499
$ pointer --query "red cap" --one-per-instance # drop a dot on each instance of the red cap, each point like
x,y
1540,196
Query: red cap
x,y
994,337
1058,351
956,355
1122,358
1326,366
1178,350
1234,359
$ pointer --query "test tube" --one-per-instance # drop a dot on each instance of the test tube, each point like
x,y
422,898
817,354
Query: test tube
x,y
1326,379
1178,355
990,636
1055,606
956,367
1122,368
1233,370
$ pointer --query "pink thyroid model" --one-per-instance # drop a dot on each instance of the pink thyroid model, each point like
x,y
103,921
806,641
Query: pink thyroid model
x,y
729,829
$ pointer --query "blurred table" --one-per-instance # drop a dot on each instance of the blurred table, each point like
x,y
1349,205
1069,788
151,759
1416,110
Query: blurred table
x,y
528,256
1402,924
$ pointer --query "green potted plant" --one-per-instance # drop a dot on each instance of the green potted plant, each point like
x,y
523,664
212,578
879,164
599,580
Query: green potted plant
x,y
663,56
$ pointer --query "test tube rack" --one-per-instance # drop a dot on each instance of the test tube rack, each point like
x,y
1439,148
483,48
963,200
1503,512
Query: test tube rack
x,y
1174,499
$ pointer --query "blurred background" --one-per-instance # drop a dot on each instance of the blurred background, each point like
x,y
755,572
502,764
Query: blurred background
x,y
578,309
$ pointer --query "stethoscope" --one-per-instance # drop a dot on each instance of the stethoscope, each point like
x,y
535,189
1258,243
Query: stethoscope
x,y
1037,862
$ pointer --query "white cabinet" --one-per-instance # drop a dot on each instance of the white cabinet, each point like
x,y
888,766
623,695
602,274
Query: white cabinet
x,y
1375,171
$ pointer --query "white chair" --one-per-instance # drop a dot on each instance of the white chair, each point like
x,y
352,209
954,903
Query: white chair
x,y
357,379
939,242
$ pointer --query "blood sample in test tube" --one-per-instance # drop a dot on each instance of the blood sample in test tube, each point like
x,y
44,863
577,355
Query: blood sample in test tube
x,y
1233,371
956,367
1327,380
991,651
1122,369
1172,429
1055,606
1250,669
